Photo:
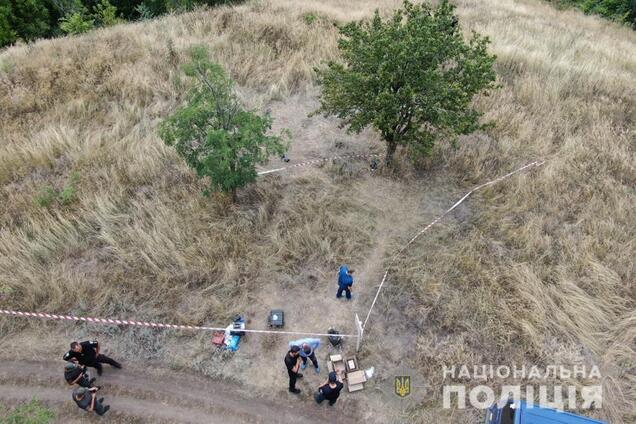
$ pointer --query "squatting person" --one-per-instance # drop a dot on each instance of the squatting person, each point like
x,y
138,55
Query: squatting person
x,y
86,399
77,374
87,353
330,390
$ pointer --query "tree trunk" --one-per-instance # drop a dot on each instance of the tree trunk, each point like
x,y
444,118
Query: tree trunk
x,y
390,151
234,195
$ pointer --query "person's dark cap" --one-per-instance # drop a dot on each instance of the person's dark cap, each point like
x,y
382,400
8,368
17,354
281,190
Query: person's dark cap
x,y
69,366
295,349
333,377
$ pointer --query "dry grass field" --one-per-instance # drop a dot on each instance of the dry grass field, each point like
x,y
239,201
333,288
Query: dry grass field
x,y
98,217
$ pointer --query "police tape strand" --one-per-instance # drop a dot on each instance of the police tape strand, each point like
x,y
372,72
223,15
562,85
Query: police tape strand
x,y
315,162
435,221
110,321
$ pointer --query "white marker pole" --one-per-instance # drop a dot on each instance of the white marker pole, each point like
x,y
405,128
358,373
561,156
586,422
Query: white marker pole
x,y
360,333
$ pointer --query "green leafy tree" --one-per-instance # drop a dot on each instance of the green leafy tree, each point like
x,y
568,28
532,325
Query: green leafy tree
x,y
106,14
76,23
412,77
7,34
23,19
214,134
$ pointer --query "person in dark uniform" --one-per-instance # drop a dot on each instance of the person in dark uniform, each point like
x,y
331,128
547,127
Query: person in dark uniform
x,y
86,399
330,390
292,362
77,374
87,354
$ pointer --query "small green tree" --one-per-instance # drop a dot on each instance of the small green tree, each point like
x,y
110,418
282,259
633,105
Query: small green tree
x,y
412,77
214,134
76,23
106,14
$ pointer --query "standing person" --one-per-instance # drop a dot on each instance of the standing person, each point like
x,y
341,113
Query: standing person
x,y
345,281
292,362
307,351
76,374
87,353
330,390
86,399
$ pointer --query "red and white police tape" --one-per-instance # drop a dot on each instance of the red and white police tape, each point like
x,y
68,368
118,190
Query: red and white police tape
x,y
316,161
110,321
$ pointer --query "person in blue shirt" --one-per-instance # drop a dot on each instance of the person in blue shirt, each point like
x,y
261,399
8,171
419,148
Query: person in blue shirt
x,y
345,281
307,351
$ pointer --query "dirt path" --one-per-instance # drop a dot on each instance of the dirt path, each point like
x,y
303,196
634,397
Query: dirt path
x,y
396,211
156,395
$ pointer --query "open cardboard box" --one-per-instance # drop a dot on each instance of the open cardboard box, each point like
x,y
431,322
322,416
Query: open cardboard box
x,y
351,364
349,368
337,364
356,380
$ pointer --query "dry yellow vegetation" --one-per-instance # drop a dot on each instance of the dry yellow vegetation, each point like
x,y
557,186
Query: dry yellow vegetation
x,y
540,270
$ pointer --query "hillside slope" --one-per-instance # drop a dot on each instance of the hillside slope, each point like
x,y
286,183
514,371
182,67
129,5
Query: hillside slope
x,y
538,270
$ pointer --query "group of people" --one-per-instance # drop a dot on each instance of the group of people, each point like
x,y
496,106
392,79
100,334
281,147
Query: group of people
x,y
87,354
83,355
300,351
303,350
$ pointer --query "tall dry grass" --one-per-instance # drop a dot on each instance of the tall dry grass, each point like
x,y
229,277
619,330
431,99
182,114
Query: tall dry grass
x,y
539,269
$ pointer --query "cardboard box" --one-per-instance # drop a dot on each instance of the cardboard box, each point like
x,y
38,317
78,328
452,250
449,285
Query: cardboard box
x,y
355,387
337,364
356,377
351,364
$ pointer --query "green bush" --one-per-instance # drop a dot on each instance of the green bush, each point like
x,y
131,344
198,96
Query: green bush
x,y
45,196
310,18
220,140
76,23
29,413
106,14
69,193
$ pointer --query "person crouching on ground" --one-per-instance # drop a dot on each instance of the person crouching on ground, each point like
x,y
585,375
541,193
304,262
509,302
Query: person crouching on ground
x,y
345,281
307,351
292,362
87,353
86,399
77,374
330,390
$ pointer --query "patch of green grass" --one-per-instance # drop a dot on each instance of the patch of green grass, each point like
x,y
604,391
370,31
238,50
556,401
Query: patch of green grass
x,y
45,196
27,413
310,18
68,194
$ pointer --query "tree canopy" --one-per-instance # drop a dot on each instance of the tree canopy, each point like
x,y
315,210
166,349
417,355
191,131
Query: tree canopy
x,y
412,77
214,134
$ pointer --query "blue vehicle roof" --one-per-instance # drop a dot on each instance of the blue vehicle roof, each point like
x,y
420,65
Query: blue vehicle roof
x,y
539,415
